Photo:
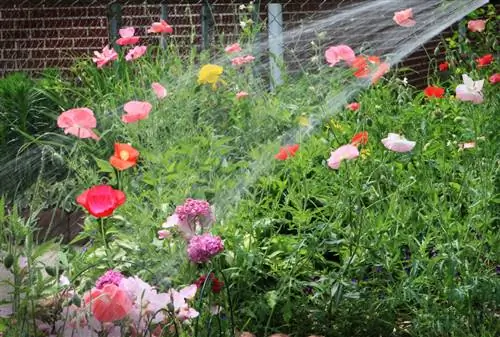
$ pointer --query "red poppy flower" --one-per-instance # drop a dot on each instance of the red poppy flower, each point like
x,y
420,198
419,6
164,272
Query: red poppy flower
x,y
125,156
101,200
216,283
444,66
286,152
495,78
434,91
484,60
353,106
361,138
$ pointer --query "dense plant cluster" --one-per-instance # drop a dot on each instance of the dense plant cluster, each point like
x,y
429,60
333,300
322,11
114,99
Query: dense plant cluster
x,y
202,220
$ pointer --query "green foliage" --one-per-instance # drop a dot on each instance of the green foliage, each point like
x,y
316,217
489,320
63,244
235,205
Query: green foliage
x,y
391,244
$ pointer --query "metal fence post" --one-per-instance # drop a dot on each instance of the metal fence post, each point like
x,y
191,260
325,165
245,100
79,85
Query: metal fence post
x,y
163,16
207,24
114,22
275,36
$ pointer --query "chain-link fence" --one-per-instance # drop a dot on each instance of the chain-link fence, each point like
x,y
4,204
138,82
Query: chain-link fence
x,y
51,33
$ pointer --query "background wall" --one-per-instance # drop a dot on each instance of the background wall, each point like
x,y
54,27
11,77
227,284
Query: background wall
x,y
37,34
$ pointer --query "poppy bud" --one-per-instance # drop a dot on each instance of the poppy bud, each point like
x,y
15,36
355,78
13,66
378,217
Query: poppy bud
x,y
76,300
51,271
8,261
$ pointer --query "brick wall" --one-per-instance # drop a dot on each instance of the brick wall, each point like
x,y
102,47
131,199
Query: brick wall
x,y
36,34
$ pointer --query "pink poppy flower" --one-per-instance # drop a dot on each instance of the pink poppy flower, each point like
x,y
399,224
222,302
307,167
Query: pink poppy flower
x,y
476,25
241,60
78,122
164,234
127,36
107,55
382,69
345,152
159,90
335,54
109,304
241,95
353,106
233,48
101,200
470,90
135,53
161,27
404,18
495,78
468,145
398,143
136,111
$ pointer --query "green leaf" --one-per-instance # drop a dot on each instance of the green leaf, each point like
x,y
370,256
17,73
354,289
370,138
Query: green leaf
x,y
104,166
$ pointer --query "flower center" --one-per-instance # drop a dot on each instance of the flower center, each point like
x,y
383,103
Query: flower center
x,y
124,155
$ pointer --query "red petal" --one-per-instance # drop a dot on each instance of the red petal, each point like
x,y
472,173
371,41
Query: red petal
x,y
120,197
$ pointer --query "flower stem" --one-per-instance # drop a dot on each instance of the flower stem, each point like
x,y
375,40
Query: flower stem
x,y
106,244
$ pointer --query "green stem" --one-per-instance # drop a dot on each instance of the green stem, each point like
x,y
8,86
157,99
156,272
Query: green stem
x,y
106,244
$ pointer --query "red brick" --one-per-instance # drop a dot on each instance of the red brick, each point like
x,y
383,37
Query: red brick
x,y
72,33
73,12
133,11
45,53
96,11
16,34
17,54
98,32
43,33
44,13
58,43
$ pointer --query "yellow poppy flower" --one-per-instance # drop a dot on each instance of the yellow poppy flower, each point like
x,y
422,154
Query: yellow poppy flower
x,y
209,74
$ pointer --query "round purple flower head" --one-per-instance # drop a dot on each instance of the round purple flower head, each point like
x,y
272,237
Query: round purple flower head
x,y
197,211
110,276
202,248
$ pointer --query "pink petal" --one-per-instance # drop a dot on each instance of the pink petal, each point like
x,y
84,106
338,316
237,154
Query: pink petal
x,y
81,132
159,90
135,53
345,152
124,41
163,234
127,32
241,94
338,53
404,18
234,48
189,292
476,25
397,143
139,108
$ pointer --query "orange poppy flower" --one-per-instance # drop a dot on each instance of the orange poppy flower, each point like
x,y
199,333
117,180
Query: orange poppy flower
x,y
125,156
362,64
361,138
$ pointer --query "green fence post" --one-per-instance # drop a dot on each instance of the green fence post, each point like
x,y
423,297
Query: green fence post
x,y
207,24
114,22
163,16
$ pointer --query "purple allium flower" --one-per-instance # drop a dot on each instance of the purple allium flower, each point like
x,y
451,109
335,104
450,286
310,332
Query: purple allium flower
x,y
202,248
111,276
190,217
192,209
